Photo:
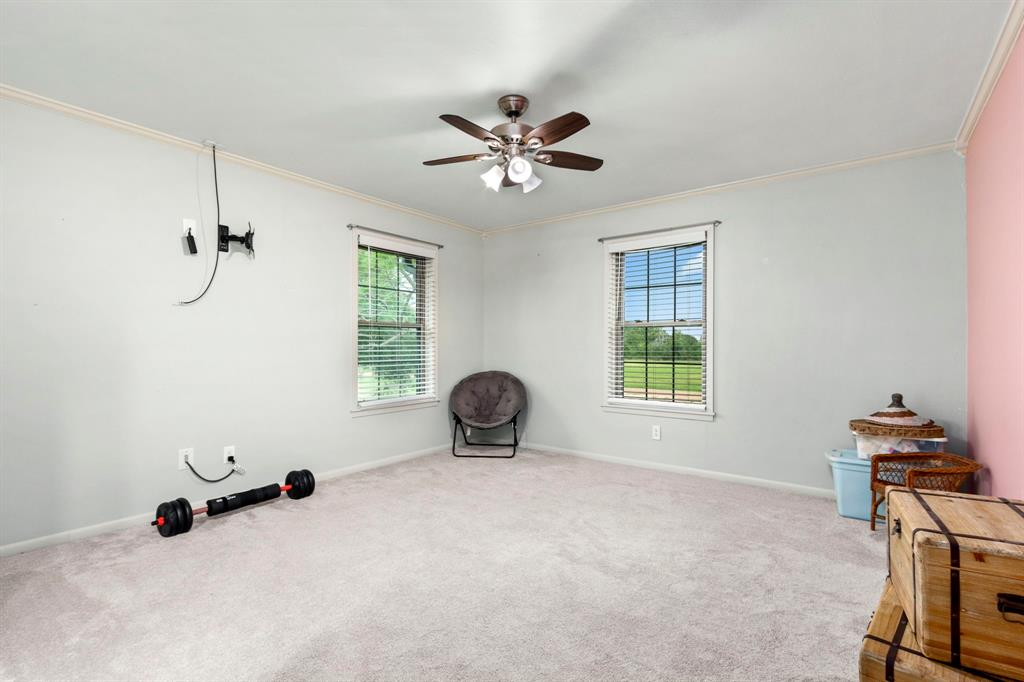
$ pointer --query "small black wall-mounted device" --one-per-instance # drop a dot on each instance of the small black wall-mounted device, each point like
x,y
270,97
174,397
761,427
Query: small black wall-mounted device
x,y
190,242
224,239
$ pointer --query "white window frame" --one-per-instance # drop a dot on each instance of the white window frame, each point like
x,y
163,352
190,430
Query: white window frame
x,y
671,237
413,248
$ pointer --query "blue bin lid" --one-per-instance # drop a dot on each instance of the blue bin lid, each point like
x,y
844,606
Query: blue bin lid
x,y
847,459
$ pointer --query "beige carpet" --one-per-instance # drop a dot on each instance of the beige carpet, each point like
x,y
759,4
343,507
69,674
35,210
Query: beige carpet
x,y
539,567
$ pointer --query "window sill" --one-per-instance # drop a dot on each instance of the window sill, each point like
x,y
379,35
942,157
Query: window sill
x,y
394,406
668,411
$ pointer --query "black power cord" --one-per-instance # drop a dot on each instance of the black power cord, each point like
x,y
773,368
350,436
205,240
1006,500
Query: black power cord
x,y
213,480
216,262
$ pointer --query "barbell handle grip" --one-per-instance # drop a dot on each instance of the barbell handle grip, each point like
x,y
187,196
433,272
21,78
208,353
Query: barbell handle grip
x,y
285,487
229,503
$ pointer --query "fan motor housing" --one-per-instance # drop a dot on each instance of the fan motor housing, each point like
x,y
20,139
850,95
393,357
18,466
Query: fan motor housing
x,y
512,132
513,106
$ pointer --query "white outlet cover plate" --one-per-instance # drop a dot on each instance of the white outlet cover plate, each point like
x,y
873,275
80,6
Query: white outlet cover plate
x,y
229,451
656,432
188,224
185,454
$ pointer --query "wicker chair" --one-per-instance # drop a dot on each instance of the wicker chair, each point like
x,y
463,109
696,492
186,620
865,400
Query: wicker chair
x,y
924,470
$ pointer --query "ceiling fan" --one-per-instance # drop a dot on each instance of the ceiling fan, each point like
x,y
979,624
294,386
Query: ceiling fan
x,y
513,144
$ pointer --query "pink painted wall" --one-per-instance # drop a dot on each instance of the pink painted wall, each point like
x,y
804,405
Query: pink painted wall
x,y
995,285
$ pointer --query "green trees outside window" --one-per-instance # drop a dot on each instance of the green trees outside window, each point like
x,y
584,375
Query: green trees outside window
x,y
662,328
395,360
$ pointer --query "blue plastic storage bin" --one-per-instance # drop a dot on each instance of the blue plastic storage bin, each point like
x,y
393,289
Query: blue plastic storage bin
x,y
852,479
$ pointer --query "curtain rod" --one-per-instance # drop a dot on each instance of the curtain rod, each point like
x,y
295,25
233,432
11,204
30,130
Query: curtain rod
x,y
713,223
353,226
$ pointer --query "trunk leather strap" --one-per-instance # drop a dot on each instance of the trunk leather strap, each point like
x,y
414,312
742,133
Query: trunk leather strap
x,y
894,648
1012,505
905,649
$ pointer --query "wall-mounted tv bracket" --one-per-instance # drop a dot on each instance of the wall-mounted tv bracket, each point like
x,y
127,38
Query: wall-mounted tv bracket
x,y
224,239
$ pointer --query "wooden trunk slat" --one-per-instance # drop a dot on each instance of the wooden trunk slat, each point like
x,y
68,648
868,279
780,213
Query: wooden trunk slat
x,y
910,662
990,536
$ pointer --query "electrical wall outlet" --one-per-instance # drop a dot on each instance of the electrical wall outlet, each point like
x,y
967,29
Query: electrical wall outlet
x,y
229,451
186,455
656,432
187,225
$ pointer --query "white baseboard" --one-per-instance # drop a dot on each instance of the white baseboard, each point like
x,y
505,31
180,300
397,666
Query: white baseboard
x,y
75,534
677,469
143,519
376,463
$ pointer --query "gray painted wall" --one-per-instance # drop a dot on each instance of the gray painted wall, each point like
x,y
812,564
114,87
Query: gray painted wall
x,y
832,291
103,379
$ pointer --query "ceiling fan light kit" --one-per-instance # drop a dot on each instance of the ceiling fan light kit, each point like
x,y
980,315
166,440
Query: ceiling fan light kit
x,y
513,144
519,170
493,177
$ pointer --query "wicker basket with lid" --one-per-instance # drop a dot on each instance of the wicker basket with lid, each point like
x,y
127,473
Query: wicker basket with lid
x,y
897,421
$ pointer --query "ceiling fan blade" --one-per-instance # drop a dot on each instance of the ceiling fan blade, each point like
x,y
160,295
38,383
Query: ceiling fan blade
x,y
558,129
507,181
569,160
455,159
468,127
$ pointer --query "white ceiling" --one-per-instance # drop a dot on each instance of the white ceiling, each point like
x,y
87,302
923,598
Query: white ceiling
x,y
680,95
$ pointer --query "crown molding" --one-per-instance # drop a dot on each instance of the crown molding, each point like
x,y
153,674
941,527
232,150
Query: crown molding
x,y
19,95
996,63
31,98
761,179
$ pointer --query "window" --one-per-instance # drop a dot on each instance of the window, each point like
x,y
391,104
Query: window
x,y
397,335
659,321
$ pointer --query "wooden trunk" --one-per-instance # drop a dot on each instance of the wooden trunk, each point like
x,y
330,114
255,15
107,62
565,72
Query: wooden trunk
x,y
957,566
890,652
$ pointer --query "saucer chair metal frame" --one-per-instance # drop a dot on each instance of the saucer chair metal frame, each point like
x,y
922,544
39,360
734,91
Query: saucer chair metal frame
x,y
514,443
518,401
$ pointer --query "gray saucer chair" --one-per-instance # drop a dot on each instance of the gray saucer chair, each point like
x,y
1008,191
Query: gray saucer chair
x,y
487,400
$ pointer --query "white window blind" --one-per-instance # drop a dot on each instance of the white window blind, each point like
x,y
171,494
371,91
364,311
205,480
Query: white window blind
x,y
659,320
397,325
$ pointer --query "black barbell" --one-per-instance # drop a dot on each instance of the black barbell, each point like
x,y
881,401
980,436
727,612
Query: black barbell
x,y
175,517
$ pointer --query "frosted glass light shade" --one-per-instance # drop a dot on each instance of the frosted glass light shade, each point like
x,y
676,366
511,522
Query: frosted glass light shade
x,y
519,170
493,177
531,183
